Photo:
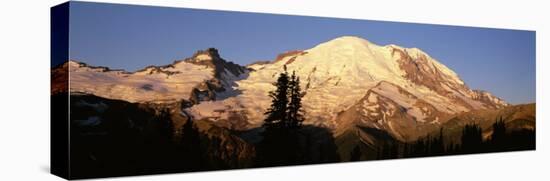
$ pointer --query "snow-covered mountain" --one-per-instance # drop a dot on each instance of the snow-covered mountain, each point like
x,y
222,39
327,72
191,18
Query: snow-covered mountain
x,y
201,77
337,75
348,81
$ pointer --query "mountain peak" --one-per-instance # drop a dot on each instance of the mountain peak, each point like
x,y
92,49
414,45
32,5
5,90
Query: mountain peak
x,y
208,54
335,75
73,63
211,58
350,39
346,41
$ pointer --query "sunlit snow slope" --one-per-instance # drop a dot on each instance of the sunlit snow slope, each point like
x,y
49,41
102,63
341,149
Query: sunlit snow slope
x,y
347,80
338,73
195,78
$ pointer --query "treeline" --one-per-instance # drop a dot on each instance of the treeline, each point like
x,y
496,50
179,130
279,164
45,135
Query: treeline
x,y
131,139
471,141
137,146
128,139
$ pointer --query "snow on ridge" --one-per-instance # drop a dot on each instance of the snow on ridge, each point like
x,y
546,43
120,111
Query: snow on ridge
x,y
172,83
336,74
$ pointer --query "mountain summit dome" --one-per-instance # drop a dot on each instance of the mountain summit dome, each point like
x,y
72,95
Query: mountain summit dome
x,y
383,87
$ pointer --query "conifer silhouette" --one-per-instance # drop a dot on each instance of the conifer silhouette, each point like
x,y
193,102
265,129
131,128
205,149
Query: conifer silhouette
x,y
295,117
472,140
498,138
281,137
277,113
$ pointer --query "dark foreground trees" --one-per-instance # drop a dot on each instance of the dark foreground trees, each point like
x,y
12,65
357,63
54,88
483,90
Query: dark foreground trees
x,y
472,141
124,138
285,141
127,139
281,144
286,105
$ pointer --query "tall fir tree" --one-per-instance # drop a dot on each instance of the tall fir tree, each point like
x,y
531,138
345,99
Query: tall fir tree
x,y
295,117
471,138
281,143
277,113
499,131
498,137
165,126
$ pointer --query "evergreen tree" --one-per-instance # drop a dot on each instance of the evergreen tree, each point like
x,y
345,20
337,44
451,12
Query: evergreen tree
x,y
295,117
277,113
472,140
166,126
438,146
281,144
498,138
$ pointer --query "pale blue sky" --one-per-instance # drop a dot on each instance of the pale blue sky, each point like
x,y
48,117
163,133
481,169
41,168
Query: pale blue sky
x,y
132,37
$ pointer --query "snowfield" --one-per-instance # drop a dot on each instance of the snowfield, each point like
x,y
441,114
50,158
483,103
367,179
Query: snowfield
x,y
172,84
338,73
335,75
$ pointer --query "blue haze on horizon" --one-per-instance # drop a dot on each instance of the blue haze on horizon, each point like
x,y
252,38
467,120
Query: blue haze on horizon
x,y
131,37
